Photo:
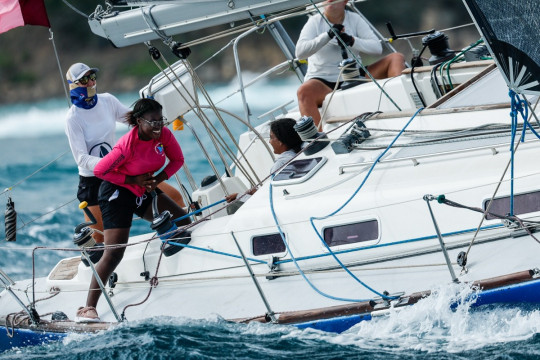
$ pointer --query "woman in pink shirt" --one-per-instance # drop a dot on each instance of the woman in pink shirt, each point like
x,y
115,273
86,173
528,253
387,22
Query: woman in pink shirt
x,y
129,174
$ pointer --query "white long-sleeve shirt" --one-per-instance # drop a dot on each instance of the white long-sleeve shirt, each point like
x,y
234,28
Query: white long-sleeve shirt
x,y
91,131
282,159
324,54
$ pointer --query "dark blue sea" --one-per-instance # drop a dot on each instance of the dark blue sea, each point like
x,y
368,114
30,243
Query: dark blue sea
x,y
38,167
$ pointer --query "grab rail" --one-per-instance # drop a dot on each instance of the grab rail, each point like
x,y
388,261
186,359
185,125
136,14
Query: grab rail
x,y
413,158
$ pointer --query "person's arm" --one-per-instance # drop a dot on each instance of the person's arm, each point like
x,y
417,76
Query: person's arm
x,y
107,167
77,143
365,39
174,154
310,41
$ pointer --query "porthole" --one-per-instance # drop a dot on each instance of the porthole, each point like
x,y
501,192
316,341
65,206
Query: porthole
x,y
351,233
523,204
267,244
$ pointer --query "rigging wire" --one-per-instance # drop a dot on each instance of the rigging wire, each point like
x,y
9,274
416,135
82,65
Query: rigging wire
x,y
34,173
51,38
215,136
75,9
491,201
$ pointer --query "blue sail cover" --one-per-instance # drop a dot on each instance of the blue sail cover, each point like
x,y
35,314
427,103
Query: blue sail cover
x,y
510,29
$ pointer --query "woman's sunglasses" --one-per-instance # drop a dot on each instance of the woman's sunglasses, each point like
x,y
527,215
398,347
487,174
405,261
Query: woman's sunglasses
x,y
85,79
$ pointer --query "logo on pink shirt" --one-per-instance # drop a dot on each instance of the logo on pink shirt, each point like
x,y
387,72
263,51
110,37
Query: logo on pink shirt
x,y
159,148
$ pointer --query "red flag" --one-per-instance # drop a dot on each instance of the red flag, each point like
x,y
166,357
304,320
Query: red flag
x,y
14,13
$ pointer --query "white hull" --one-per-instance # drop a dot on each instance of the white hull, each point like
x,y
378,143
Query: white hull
x,y
442,150
199,284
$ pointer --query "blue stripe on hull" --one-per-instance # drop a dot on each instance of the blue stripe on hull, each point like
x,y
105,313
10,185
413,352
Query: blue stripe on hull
x,y
335,325
525,293
25,337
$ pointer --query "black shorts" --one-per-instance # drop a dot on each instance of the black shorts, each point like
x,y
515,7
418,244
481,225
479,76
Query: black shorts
x,y
88,189
332,85
118,205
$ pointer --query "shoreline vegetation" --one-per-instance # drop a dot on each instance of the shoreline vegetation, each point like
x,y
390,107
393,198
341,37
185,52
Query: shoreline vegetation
x,y
29,70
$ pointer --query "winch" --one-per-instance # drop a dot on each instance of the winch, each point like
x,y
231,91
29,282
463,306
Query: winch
x,y
306,129
83,238
165,228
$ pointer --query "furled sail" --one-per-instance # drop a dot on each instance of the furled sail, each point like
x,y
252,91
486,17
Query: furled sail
x,y
169,18
510,29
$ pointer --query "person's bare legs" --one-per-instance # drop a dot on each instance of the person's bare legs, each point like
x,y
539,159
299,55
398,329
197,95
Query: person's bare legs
x,y
112,257
311,95
94,209
389,66
108,262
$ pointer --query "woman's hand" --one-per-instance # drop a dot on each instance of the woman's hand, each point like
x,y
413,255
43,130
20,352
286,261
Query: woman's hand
x,y
148,181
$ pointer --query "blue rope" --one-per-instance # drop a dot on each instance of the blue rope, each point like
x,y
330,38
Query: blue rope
x,y
214,251
322,240
350,199
198,211
294,259
517,106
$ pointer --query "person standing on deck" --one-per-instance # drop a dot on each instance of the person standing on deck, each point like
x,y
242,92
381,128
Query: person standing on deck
x,y
90,128
318,45
130,175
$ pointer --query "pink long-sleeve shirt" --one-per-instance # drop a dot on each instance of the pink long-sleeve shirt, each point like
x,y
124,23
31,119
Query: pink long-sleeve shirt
x,y
132,156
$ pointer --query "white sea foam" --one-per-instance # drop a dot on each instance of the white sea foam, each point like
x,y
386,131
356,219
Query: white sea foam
x,y
32,122
432,325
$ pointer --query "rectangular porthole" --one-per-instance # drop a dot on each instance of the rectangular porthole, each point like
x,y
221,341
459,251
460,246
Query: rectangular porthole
x,y
267,244
351,233
523,204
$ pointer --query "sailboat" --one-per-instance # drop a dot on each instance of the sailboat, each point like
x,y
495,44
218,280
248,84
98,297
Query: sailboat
x,y
424,180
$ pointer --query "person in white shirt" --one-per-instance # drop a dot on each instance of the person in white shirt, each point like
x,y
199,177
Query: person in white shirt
x,y
318,44
285,142
90,128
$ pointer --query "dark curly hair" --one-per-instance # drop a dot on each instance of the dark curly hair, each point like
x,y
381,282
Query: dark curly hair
x,y
284,131
141,107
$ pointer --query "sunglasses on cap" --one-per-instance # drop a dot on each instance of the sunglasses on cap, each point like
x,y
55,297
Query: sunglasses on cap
x,y
85,79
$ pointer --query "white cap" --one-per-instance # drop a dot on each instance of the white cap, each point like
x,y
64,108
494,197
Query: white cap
x,y
77,71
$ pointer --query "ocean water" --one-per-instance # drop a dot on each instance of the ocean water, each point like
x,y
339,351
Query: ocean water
x,y
37,164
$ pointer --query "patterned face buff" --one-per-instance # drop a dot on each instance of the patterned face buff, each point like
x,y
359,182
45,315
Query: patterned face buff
x,y
83,97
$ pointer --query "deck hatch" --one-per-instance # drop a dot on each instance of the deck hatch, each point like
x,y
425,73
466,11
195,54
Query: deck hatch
x,y
298,171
